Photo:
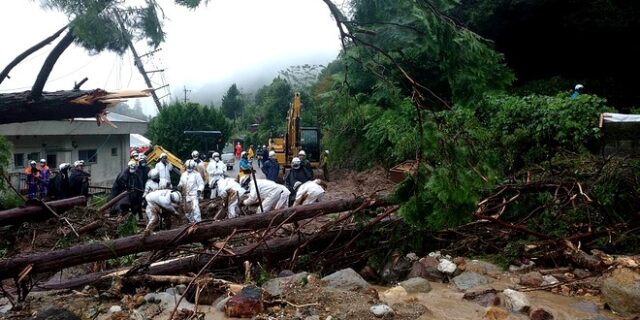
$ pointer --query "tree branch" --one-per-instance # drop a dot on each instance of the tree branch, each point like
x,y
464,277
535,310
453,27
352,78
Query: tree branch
x,y
5,73
49,63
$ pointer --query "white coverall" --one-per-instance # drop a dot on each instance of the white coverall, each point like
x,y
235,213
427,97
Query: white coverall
x,y
231,188
150,186
274,196
164,171
192,182
215,171
308,192
156,201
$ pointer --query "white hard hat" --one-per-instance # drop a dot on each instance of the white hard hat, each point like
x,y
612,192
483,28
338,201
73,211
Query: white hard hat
x,y
132,164
43,161
190,164
163,155
134,153
579,87
243,153
272,153
78,163
63,166
296,160
215,154
302,153
326,151
195,153
297,185
142,156
33,163
154,174
176,197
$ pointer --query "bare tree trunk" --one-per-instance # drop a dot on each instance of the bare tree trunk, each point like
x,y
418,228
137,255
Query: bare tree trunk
x,y
49,63
5,73
32,212
76,255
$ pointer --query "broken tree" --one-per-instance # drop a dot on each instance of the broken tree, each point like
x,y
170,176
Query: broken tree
x,y
56,260
37,211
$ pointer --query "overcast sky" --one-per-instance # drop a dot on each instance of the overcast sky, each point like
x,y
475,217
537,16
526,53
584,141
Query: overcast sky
x,y
203,46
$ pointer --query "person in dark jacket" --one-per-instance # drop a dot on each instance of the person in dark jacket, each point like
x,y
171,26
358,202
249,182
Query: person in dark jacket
x,y
78,180
259,156
305,164
296,176
128,180
143,168
59,184
270,167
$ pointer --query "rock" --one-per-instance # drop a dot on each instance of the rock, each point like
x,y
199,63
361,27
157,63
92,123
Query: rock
x,y
531,279
115,309
482,267
522,268
581,273
181,288
5,305
496,313
412,257
172,291
397,268
460,262
549,279
446,266
516,301
416,285
219,304
56,314
485,298
541,314
275,286
427,268
394,295
621,291
151,298
313,317
346,279
468,280
285,273
381,310
248,303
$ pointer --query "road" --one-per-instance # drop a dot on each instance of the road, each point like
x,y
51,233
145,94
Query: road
x,y
234,173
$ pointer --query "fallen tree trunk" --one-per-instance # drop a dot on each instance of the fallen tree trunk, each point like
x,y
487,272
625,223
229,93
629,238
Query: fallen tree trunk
x,y
76,255
60,105
34,212
273,249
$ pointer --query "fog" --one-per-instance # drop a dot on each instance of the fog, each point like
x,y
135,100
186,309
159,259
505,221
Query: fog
x,y
206,50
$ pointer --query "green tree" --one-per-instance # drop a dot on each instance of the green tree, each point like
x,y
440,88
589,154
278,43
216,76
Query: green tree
x,y
232,103
167,128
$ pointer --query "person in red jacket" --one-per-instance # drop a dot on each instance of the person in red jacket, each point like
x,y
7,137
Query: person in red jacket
x,y
33,178
45,173
238,150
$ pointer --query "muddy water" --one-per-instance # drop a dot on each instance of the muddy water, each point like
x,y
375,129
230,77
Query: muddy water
x,y
446,302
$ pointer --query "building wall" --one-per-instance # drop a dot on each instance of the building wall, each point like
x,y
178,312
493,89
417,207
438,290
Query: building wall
x,y
111,159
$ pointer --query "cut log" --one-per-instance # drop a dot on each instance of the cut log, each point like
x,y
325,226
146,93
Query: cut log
x,y
56,260
35,212
274,250
60,105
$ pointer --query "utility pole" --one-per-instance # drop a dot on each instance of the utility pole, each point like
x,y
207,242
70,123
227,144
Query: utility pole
x,y
185,94
138,63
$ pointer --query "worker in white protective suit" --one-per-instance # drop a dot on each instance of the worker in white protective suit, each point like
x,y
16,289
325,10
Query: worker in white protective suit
x,y
274,196
215,171
164,171
230,191
192,185
309,192
153,183
156,202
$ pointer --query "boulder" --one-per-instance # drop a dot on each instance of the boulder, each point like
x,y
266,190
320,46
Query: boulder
x,y
381,310
482,267
248,303
56,314
275,286
285,273
427,268
581,273
531,279
446,266
397,268
346,279
540,314
516,301
549,279
621,291
115,309
415,285
485,298
469,279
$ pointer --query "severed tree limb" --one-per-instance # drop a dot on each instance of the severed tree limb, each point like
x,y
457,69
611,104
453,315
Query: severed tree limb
x,y
49,63
5,72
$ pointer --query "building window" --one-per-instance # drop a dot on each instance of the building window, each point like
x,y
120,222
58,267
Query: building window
x,y
52,160
114,152
18,160
88,155
35,156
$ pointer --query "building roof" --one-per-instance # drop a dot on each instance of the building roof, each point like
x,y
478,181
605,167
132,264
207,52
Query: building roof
x,y
78,126
138,140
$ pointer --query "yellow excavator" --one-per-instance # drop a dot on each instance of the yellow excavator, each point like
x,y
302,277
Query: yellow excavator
x,y
297,138
154,156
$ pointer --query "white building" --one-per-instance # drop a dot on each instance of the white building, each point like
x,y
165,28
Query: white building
x,y
104,149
